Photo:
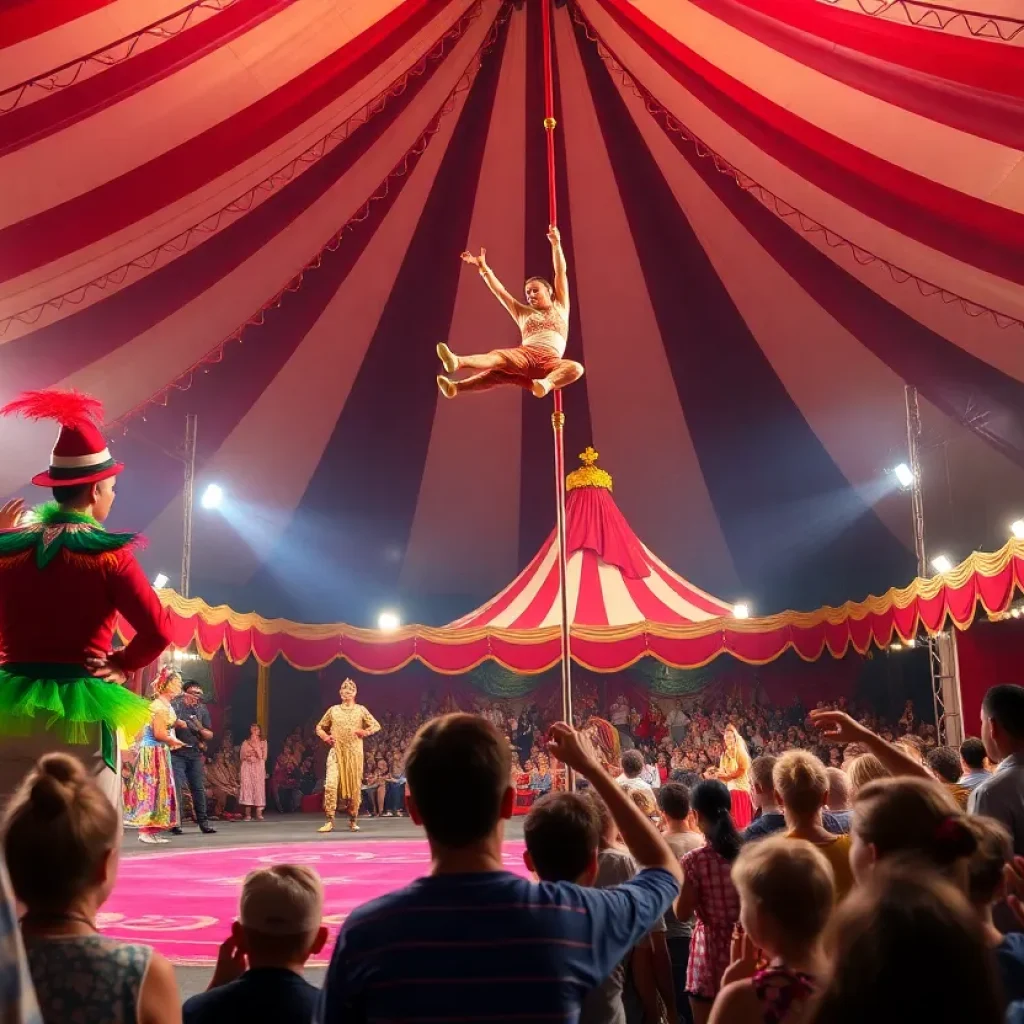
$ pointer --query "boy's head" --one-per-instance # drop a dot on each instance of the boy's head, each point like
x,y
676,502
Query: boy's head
x,y
562,834
763,789
632,763
674,800
838,789
944,763
279,916
470,749
972,754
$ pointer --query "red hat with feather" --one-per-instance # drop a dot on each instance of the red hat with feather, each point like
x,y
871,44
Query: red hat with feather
x,y
80,455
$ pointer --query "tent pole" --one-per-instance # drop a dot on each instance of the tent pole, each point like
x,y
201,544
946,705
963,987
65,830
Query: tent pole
x,y
558,416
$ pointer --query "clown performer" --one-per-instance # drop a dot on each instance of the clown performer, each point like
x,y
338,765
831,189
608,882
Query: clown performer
x,y
343,728
63,582
537,364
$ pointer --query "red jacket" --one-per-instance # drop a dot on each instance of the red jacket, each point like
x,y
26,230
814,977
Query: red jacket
x,y
66,611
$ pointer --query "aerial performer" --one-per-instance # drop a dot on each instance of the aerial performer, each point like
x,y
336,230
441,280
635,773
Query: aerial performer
x,y
537,364
344,727
734,770
63,582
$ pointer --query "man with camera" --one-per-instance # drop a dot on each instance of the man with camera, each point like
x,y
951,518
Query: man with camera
x,y
193,728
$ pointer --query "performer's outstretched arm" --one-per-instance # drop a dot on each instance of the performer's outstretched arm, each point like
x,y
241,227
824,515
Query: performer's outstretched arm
x,y
498,290
561,270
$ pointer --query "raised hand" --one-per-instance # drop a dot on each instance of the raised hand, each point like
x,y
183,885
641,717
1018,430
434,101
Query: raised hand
x,y
477,261
572,748
838,726
11,513
554,235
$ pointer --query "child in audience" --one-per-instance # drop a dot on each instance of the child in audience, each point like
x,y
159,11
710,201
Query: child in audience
x,y
61,840
260,965
906,947
770,817
986,887
910,818
801,786
709,893
787,893
863,769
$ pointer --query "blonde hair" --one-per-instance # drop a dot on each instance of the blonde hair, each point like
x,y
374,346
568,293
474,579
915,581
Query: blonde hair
x,y
790,881
864,769
166,682
57,829
800,781
915,818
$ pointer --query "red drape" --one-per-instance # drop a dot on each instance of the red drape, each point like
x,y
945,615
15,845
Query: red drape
x,y
989,653
226,678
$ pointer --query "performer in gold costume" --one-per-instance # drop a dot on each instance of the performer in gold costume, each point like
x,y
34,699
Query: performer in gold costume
x,y
344,727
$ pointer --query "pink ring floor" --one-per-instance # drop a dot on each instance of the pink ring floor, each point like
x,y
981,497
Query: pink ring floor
x,y
183,902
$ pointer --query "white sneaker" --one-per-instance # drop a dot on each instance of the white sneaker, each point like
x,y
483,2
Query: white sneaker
x,y
150,840
541,388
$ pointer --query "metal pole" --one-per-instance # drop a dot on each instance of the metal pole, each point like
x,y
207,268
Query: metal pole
x,y
188,497
916,496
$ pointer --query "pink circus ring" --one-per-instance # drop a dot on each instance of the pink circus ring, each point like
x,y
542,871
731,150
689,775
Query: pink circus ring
x,y
183,902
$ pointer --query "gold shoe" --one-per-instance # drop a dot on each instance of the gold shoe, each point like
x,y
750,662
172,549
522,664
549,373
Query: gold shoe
x,y
353,826
541,388
449,360
447,387
328,827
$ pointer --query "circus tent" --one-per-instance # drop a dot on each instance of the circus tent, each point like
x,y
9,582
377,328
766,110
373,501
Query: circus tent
x,y
776,216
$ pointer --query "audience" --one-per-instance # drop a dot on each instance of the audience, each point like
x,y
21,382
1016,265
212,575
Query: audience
x,y
837,817
786,897
944,764
437,948
259,968
708,892
769,817
864,769
973,763
61,841
1001,796
801,786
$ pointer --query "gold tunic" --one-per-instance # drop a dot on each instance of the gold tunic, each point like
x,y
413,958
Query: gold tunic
x,y
341,723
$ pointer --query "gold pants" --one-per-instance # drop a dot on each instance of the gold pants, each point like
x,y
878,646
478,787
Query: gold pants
x,y
331,790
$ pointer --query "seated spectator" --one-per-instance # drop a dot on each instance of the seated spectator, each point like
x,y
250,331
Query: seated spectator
x,y
762,795
259,967
540,777
394,798
986,888
434,928
973,763
801,786
944,764
787,892
837,814
907,947
630,780
709,894
914,819
679,825
61,840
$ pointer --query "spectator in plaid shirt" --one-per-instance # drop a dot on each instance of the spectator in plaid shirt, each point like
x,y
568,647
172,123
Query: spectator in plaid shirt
x,y
17,996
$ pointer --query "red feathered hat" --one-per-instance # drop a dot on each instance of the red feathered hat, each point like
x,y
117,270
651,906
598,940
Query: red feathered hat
x,y
80,455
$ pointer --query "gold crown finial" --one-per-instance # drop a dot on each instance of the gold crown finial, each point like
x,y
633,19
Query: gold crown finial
x,y
588,475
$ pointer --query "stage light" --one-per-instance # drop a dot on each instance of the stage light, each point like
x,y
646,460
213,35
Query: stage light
x,y
160,581
388,622
903,474
941,563
741,611
1015,612
912,642
1017,528
213,496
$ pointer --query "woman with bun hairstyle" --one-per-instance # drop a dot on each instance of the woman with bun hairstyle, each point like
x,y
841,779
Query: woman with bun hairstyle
x,y
61,841
150,799
708,892
915,819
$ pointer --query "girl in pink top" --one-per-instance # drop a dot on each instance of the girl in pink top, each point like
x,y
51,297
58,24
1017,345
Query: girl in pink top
x,y
537,364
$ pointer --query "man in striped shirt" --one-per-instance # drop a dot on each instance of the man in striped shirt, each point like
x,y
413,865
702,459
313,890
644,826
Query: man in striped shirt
x,y
473,942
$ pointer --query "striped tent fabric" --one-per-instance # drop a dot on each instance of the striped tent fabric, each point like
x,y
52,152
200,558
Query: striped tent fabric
x,y
777,214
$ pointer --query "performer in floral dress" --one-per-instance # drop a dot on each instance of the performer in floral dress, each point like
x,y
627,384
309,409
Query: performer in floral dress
x,y
150,799
734,770
253,794
538,364
344,727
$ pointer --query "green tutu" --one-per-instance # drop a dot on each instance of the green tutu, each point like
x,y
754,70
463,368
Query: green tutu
x,y
59,699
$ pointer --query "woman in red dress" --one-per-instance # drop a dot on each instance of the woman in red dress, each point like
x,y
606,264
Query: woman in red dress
x,y
734,770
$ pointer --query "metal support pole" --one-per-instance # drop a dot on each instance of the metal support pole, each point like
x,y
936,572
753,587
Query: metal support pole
x,y
188,497
943,663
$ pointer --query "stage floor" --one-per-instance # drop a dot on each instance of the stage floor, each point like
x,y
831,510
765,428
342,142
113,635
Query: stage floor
x,y
182,897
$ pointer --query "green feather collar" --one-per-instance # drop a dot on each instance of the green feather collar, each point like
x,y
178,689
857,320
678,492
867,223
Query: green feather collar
x,y
54,529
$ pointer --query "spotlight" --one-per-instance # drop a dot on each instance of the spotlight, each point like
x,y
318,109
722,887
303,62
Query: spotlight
x,y
388,622
741,611
912,642
941,563
213,496
1015,612
160,581
904,475
1017,528
895,647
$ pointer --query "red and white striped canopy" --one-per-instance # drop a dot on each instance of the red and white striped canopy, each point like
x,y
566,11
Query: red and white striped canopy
x,y
776,214
612,578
